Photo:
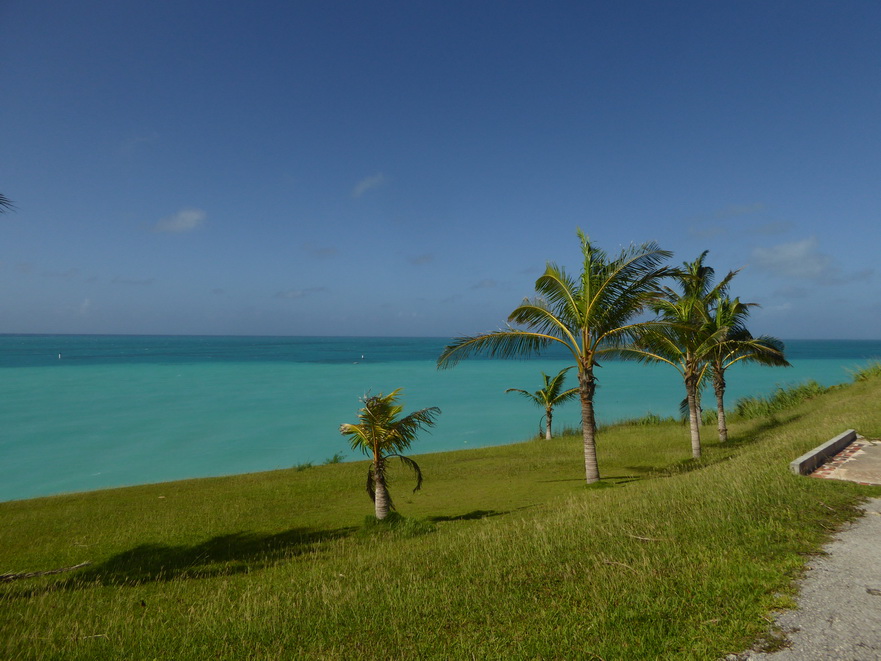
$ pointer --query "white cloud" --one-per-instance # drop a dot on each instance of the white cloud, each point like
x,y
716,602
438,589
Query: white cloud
x,y
367,183
799,259
85,306
185,220
802,260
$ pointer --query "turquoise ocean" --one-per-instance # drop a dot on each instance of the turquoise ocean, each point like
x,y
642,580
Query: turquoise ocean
x,y
87,412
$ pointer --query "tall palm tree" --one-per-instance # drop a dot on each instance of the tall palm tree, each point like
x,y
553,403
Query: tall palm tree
x,y
687,340
736,345
589,315
5,203
550,396
382,434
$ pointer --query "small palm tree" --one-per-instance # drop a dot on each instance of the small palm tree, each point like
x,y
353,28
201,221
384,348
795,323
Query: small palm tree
x,y
735,345
5,203
550,396
589,315
381,434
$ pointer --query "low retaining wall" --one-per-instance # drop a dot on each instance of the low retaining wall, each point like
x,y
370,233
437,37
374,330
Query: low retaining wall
x,y
810,461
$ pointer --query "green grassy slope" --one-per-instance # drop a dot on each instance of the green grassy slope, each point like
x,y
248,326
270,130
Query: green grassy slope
x,y
665,559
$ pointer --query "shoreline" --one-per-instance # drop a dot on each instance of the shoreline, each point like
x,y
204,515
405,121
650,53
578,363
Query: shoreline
x,y
85,426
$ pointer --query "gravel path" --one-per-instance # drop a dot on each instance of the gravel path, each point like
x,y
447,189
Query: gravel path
x,y
839,613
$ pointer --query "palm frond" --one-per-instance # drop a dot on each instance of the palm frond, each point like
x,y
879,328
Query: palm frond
x,y
536,316
358,437
560,291
5,204
371,488
533,397
511,343
412,465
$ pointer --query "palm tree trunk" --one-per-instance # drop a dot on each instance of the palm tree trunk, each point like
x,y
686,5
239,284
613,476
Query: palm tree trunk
x,y
381,500
587,387
694,420
549,414
719,387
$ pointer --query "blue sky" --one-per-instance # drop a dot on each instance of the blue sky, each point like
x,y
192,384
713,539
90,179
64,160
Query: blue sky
x,y
407,168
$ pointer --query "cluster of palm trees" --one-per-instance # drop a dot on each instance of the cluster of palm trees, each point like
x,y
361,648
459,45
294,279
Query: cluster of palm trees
x,y
698,328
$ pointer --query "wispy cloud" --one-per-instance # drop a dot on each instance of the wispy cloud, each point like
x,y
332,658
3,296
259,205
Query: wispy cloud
x,y
713,225
85,307
291,294
794,291
775,227
368,183
66,275
802,260
131,144
185,220
425,258
321,252
487,283
799,259
132,281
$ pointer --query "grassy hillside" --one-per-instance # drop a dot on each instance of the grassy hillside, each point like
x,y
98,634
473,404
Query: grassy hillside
x,y
504,553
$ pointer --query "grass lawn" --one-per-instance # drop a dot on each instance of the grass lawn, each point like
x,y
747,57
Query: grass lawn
x,y
504,553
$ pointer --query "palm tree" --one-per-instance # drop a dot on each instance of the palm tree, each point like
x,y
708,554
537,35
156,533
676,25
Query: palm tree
x,y
382,434
550,396
5,203
735,346
687,340
590,316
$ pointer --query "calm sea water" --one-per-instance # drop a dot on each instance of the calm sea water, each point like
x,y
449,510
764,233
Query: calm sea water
x,y
86,412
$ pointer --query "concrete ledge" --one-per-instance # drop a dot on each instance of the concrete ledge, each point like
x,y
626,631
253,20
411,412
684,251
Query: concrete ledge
x,y
810,461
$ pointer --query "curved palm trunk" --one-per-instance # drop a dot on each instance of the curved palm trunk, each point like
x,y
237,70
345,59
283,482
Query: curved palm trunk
x,y
719,387
694,419
549,416
381,500
587,387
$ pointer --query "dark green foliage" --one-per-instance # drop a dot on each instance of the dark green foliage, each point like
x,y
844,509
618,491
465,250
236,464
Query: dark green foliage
x,y
395,525
750,408
870,371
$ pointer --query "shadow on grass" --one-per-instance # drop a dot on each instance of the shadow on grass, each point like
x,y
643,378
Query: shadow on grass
x,y
764,427
470,516
224,555
715,452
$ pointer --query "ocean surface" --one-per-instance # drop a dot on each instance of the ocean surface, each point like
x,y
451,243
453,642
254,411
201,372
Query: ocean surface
x,y
86,412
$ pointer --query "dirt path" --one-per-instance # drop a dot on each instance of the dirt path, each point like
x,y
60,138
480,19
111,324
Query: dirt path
x,y
839,605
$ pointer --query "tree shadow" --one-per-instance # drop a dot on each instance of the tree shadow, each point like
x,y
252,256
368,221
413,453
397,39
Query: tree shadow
x,y
717,453
470,516
619,480
236,553
758,432
561,479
